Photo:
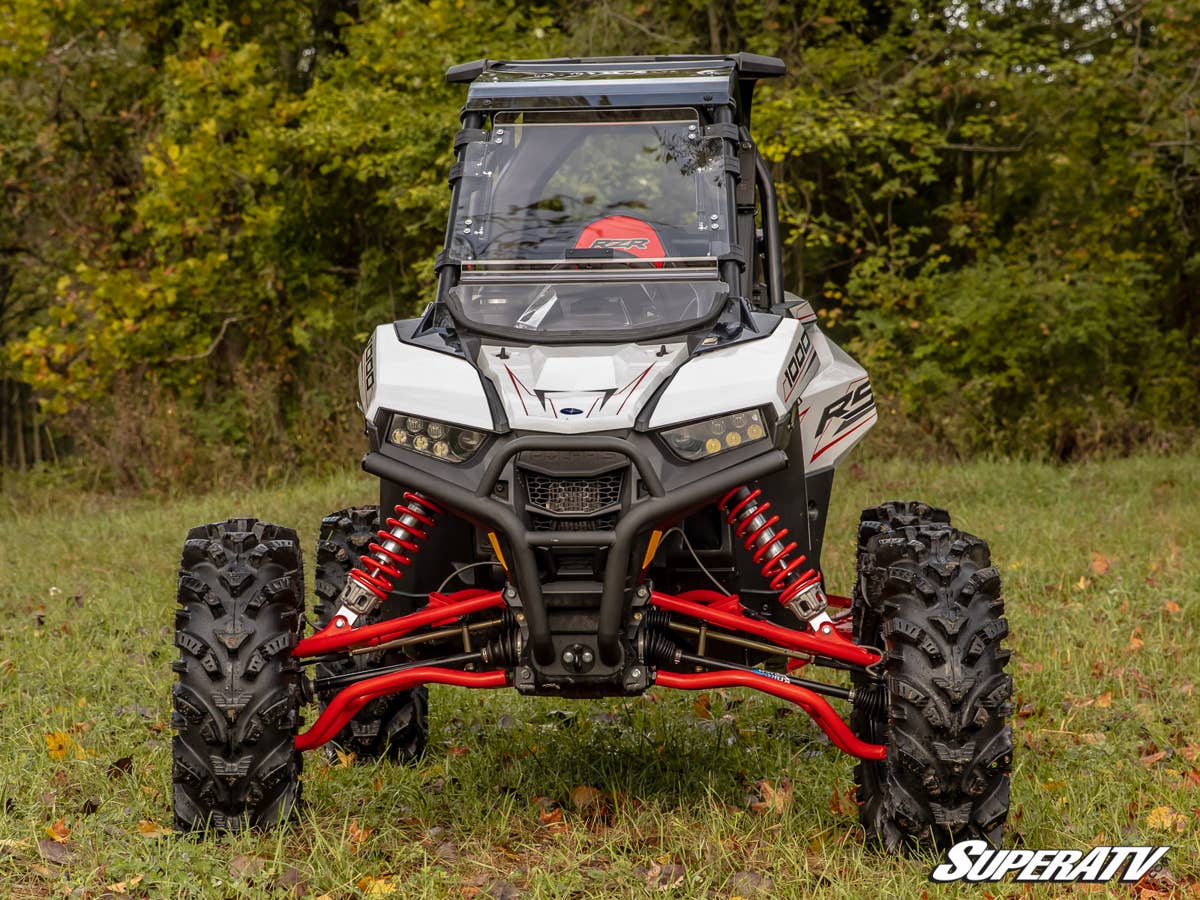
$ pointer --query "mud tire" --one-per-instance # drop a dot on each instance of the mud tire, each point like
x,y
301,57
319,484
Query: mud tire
x,y
928,596
237,694
396,726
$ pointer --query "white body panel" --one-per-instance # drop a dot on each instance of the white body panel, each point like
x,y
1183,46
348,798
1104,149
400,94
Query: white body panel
x,y
766,372
836,407
403,378
577,389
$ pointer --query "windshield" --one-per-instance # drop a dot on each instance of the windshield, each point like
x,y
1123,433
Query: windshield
x,y
602,185
562,307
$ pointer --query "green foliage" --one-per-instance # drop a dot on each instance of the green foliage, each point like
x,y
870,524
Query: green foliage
x,y
995,205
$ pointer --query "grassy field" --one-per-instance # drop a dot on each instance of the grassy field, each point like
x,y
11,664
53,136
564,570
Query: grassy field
x,y
1101,564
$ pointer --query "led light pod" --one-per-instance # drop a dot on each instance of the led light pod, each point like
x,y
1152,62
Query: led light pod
x,y
440,440
708,437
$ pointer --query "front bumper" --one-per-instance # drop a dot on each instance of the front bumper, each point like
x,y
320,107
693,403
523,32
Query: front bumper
x,y
660,506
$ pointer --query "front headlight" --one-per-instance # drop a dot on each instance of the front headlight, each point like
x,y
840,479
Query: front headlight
x,y
441,440
700,440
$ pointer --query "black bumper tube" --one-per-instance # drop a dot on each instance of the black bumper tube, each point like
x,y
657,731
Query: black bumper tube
x,y
652,512
480,508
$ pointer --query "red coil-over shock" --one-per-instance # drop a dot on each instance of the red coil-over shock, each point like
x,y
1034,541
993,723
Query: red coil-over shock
x,y
799,588
371,582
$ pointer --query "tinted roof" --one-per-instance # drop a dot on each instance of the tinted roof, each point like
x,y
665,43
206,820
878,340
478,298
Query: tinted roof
x,y
610,81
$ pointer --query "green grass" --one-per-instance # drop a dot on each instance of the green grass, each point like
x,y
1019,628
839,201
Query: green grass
x,y
86,589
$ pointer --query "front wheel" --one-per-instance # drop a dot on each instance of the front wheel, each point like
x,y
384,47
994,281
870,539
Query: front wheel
x,y
237,692
929,597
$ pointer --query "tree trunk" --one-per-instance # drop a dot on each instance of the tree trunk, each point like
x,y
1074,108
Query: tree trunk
x,y
714,27
19,428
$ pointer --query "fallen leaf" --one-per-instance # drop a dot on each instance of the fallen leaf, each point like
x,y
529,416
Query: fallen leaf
x,y
119,767
587,799
344,759
1172,607
377,887
58,743
1093,737
550,816
59,831
1104,701
773,798
54,852
842,804
1135,639
1100,563
1165,818
291,882
501,890
665,876
122,887
1082,583
702,707
150,829
356,834
746,884
446,852
457,751
1153,759
242,866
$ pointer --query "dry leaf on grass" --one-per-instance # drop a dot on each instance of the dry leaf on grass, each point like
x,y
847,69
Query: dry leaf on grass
x,y
665,876
122,887
774,799
588,799
356,834
1104,700
383,886
59,831
54,852
242,866
1165,818
1170,606
1100,563
1153,759
843,804
1135,639
150,829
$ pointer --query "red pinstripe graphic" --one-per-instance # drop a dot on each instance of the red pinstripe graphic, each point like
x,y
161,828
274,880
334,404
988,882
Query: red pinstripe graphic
x,y
550,400
517,387
633,388
871,417
590,408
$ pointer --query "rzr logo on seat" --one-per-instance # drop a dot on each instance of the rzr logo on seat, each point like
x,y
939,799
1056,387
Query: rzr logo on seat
x,y
620,244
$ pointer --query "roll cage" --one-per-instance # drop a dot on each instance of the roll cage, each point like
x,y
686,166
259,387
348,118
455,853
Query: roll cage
x,y
719,89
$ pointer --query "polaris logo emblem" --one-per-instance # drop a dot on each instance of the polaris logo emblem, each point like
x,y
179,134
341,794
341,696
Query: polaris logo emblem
x,y
571,411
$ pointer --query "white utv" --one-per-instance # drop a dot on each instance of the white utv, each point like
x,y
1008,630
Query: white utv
x,y
605,453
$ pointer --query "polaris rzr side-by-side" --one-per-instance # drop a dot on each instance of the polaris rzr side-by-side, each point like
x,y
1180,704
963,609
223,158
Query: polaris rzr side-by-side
x,y
605,454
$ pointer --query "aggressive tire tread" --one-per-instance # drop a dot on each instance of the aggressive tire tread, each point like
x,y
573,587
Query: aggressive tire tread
x,y
237,693
928,595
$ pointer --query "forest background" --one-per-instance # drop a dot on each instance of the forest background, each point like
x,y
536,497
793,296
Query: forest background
x,y
205,206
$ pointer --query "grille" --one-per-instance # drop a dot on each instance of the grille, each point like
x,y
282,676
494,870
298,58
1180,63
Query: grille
x,y
573,496
596,523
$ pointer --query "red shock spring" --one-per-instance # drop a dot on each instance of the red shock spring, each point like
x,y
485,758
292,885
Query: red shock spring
x,y
414,518
756,529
